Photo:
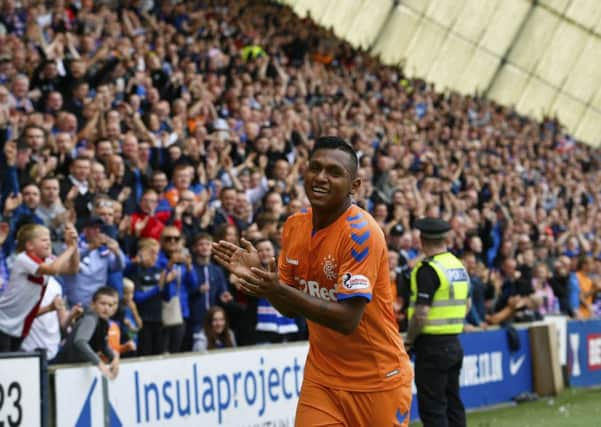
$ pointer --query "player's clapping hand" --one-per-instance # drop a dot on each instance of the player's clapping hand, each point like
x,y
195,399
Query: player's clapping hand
x,y
261,282
237,259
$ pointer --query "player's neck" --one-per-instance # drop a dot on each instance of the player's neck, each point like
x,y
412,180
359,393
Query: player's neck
x,y
321,219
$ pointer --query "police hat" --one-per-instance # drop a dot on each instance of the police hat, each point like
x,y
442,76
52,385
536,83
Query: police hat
x,y
432,228
397,230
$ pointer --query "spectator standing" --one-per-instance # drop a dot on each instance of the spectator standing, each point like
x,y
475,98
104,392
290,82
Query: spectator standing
x,y
543,291
213,288
131,322
149,282
587,288
147,222
174,257
100,256
560,283
20,300
52,211
21,209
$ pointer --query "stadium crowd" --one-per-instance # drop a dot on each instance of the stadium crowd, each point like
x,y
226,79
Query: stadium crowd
x,y
158,127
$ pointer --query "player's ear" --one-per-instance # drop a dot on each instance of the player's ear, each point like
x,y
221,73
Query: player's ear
x,y
355,185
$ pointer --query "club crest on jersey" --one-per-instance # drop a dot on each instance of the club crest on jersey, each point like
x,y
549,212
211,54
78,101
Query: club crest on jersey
x,y
356,281
330,268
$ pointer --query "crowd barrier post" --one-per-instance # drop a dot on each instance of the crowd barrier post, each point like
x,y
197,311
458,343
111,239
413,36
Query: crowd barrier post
x,y
546,367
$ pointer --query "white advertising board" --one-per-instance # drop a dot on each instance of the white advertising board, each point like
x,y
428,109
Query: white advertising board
x,y
20,392
258,386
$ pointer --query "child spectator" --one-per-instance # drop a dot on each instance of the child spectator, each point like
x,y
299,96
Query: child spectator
x,y
20,300
215,333
46,329
90,335
149,281
132,322
543,290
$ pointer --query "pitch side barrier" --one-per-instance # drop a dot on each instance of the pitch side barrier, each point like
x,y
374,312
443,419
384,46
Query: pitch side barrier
x,y
259,386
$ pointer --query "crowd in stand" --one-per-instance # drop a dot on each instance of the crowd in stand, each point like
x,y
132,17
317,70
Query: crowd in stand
x,y
158,127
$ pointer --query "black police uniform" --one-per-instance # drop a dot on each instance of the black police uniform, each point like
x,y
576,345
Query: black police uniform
x,y
438,358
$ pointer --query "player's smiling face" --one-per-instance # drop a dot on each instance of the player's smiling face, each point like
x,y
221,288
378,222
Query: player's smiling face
x,y
328,180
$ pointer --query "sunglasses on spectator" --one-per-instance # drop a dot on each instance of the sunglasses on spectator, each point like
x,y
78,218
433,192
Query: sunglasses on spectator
x,y
171,238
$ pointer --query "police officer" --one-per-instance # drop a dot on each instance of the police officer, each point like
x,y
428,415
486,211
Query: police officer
x,y
437,309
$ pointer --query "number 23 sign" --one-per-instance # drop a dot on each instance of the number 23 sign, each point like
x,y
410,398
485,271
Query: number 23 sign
x,y
20,391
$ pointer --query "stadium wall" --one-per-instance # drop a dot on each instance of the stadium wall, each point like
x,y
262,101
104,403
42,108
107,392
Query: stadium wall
x,y
540,56
259,386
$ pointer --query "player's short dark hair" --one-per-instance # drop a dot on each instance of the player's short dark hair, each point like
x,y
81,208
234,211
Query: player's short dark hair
x,y
105,290
337,143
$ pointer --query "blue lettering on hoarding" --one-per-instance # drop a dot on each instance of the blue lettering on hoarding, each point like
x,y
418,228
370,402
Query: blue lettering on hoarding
x,y
273,373
168,414
223,382
287,395
208,397
183,411
250,400
215,394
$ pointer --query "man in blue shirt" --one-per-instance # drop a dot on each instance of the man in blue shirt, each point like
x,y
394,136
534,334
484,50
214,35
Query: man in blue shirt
x,y
99,256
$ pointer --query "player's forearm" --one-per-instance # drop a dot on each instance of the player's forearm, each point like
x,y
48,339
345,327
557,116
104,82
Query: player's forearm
x,y
282,306
339,316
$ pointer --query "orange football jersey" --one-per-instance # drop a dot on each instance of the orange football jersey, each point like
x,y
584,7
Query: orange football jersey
x,y
347,259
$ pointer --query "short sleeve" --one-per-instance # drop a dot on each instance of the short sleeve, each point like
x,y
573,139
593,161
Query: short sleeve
x,y
284,269
427,284
361,256
26,264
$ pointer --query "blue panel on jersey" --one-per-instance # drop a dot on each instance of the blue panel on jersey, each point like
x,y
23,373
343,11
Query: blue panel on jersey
x,y
304,210
360,238
359,225
342,297
401,417
355,217
359,256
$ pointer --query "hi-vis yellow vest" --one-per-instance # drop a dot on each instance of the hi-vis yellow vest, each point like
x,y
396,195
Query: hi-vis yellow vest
x,y
448,310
